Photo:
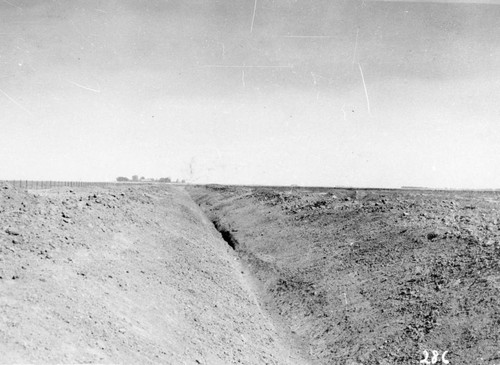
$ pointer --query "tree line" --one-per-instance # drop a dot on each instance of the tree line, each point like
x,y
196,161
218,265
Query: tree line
x,y
136,178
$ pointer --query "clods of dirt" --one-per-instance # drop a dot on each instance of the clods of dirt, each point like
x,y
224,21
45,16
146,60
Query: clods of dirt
x,y
124,274
372,276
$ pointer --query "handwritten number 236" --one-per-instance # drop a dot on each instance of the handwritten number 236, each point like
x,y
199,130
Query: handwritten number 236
x,y
434,359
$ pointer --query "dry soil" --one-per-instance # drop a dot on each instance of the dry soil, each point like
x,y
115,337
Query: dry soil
x,y
371,276
126,274
141,274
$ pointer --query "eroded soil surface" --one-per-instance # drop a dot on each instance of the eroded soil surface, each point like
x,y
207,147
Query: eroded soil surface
x,y
371,277
126,274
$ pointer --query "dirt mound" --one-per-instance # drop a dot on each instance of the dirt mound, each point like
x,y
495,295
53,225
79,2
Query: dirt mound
x,y
124,275
373,277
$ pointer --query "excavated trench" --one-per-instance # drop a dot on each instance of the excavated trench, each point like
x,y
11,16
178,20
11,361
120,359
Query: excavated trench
x,y
225,233
260,276
156,251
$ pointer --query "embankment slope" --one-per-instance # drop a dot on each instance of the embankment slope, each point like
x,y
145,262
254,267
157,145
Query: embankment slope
x,y
372,277
123,275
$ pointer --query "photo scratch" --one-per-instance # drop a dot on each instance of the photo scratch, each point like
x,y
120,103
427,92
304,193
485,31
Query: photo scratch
x,y
366,91
85,87
15,6
343,111
306,36
244,66
223,50
355,47
15,102
253,16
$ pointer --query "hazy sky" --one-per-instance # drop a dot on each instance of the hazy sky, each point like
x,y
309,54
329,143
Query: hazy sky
x,y
317,92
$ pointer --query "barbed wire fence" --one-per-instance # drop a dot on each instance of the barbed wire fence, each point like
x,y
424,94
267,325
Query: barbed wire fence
x,y
49,184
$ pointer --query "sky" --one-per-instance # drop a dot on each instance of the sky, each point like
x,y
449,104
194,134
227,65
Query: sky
x,y
273,92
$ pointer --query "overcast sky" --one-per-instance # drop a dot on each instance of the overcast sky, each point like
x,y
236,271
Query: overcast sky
x,y
323,92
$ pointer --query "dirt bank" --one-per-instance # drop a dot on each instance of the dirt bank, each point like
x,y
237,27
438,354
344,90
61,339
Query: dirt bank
x,y
132,275
372,277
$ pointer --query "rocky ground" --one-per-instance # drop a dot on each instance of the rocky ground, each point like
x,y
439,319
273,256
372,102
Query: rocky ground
x,y
371,276
125,274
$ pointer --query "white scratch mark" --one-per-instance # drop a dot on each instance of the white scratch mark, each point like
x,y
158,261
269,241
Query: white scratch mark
x,y
355,47
366,91
244,66
307,36
243,77
101,11
253,16
8,2
15,102
223,50
85,87
343,111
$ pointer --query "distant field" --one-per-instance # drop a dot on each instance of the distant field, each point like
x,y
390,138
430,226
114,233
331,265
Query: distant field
x,y
328,188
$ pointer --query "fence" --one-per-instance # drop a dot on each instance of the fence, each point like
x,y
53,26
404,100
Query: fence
x,y
36,184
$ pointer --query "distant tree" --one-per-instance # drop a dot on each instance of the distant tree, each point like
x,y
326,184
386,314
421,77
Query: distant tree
x,y
183,181
135,178
165,179
122,178
143,178
177,181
